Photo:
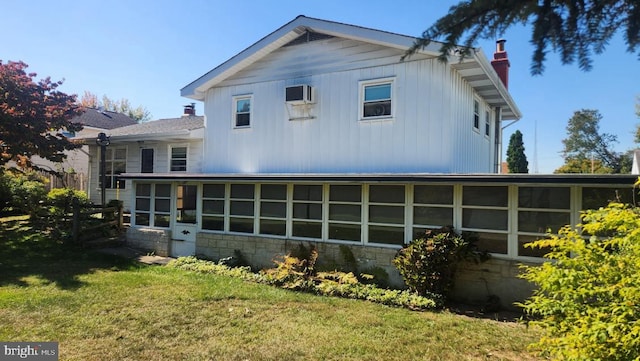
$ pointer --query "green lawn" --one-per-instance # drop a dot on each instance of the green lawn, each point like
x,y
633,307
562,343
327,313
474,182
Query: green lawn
x,y
101,307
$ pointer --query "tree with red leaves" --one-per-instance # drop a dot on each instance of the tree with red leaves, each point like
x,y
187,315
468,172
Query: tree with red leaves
x,y
32,114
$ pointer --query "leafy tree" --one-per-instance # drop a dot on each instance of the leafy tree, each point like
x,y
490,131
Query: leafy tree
x,y
592,166
140,113
575,29
586,301
585,145
516,159
31,113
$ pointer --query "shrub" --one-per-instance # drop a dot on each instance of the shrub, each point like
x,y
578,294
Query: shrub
x,y
428,263
290,274
60,201
587,298
27,192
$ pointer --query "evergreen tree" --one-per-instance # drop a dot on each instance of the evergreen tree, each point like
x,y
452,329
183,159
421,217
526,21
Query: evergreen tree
x,y
576,29
516,159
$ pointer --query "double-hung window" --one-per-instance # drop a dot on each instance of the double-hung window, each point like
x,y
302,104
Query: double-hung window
x,y
476,114
242,111
487,123
178,159
376,99
115,164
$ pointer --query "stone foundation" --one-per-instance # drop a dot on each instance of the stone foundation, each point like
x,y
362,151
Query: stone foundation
x,y
153,240
475,283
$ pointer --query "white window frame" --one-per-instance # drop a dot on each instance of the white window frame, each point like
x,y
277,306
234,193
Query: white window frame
x,y
476,114
234,110
361,102
153,160
171,159
487,123
109,162
152,212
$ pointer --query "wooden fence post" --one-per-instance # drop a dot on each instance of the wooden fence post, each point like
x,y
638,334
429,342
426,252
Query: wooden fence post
x,y
120,216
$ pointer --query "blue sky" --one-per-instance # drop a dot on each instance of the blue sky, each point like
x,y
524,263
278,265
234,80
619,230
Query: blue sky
x,y
146,51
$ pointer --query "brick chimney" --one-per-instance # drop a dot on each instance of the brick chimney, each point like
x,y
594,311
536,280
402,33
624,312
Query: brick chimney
x,y
500,62
189,110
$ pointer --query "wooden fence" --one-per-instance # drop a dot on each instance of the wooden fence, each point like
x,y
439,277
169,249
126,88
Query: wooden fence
x,y
84,222
77,181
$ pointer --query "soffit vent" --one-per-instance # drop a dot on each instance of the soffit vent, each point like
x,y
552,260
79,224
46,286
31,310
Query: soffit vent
x,y
308,37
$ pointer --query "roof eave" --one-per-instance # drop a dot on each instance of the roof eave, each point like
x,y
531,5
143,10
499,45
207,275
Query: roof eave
x,y
290,31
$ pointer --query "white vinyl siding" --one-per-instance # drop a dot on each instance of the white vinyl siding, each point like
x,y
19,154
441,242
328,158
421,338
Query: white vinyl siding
x,y
430,131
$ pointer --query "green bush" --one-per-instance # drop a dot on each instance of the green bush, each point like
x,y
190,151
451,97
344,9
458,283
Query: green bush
x,y
60,201
27,192
587,297
428,263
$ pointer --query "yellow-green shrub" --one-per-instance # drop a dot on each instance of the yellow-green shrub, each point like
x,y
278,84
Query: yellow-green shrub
x,y
588,297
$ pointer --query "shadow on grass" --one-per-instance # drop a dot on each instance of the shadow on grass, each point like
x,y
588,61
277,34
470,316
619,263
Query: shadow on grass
x,y
27,251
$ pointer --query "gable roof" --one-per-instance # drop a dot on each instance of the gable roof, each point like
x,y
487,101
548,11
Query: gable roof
x,y
103,119
476,69
162,128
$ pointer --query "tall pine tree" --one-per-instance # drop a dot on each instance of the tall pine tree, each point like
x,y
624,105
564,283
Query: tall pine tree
x,y
516,159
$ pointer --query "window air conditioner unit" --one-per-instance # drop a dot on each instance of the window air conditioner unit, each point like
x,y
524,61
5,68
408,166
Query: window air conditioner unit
x,y
299,94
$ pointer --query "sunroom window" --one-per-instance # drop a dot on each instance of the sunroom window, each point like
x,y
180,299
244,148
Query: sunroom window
x,y
241,212
541,210
432,207
485,215
307,211
213,207
345,212
386,214
273,209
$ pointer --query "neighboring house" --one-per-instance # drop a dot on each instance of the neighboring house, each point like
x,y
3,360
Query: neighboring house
x,y
168,146
319,133
78,161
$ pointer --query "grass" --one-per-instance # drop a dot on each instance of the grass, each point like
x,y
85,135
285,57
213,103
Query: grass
x,y
101,307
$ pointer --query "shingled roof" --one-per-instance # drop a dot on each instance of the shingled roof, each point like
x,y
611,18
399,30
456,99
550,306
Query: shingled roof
x,y
103,119
161,126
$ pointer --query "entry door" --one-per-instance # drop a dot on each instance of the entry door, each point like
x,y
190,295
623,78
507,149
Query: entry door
x,y
185,228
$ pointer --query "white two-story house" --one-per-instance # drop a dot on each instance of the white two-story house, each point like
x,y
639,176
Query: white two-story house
x,y
320,133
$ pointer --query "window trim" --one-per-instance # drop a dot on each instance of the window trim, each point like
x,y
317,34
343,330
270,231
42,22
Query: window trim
x,y
234,110
487,123
170,157
362,84
108,164
153,159
476,114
